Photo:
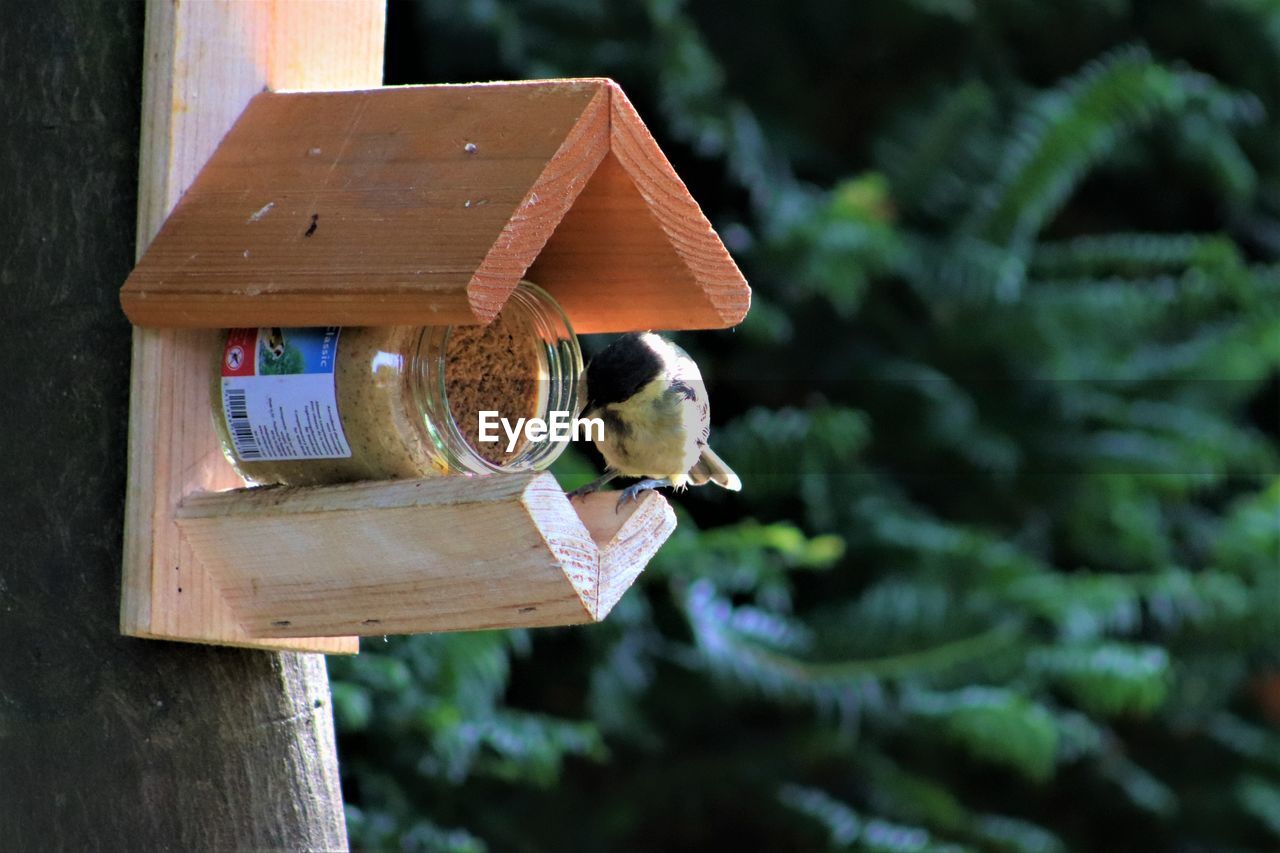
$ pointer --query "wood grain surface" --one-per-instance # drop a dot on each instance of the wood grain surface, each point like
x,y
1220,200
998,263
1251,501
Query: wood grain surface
x,y
427,204
440,554
204,62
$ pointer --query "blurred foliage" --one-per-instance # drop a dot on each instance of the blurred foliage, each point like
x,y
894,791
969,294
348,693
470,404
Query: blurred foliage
x,y
1005,573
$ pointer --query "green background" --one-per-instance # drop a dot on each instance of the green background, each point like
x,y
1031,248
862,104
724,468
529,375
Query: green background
x,y
1005,572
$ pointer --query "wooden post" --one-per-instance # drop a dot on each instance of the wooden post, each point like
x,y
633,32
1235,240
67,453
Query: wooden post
x,y
108,742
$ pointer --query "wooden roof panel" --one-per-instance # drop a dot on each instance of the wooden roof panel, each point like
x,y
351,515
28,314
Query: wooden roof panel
x,y
427,204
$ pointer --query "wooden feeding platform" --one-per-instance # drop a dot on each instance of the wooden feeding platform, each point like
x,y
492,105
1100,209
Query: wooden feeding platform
x,y
342,202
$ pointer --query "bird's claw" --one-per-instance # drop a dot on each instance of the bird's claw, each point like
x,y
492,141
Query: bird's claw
x,y
632,492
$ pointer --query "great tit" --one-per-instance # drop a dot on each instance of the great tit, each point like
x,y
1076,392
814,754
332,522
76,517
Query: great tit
x,y
651,399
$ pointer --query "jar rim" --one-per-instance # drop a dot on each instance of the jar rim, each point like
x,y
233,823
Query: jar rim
x,y
560,367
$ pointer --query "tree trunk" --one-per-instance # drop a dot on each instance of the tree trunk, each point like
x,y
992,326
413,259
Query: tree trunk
x,y
108,742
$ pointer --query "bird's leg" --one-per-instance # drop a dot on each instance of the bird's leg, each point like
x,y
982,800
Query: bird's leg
x,y
632,492
594,485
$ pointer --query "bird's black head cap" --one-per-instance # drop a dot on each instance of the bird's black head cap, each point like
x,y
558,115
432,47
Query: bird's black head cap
x,y
620,370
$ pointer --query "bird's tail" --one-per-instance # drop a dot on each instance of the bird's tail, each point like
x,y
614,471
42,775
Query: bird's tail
x,y
711,468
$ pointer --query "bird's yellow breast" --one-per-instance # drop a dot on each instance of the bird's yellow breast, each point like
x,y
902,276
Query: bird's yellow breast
x,y
651,434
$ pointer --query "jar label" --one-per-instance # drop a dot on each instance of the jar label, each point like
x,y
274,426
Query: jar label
x,y
278,394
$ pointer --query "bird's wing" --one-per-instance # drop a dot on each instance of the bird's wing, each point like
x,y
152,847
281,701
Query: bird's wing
x,y
686,380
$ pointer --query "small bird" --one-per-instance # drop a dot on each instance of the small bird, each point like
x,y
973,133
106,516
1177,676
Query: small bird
x,y
651,398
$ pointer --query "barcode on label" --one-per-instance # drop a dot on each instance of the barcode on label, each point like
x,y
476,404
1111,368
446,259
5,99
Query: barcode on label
x,y
238,423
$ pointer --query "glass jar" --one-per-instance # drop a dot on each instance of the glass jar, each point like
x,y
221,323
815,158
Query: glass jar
x,y
309,406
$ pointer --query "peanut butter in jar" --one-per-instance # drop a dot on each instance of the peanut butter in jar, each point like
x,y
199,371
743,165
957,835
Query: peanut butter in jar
x,y
312,406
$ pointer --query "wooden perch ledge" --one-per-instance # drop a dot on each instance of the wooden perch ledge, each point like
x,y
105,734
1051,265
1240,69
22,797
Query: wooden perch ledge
x,y
402,557
425,205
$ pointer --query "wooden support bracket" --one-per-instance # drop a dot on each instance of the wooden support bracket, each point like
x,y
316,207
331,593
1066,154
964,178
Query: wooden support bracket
x,y
343,203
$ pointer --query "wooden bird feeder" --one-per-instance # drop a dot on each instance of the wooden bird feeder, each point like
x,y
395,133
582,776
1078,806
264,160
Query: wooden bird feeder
x,y
418,205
